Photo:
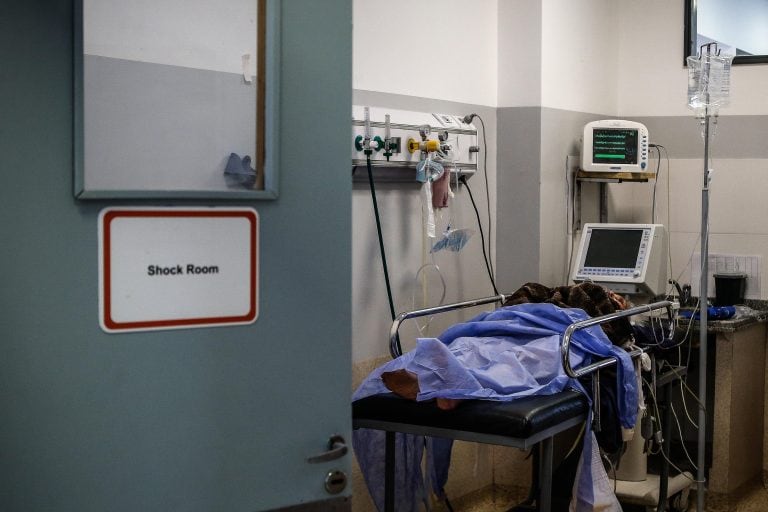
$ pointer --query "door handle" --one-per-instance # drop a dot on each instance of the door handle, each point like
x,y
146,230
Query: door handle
x,y
337,448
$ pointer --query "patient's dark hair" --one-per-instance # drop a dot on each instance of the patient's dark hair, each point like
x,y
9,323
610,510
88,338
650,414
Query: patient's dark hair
x,y
594,299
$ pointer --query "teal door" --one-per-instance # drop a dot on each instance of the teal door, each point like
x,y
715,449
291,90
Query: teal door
x,y
208,419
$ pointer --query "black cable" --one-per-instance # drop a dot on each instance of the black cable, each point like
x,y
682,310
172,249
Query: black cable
x,y
381,245
655,181
569,199
487,194
381,237
463,179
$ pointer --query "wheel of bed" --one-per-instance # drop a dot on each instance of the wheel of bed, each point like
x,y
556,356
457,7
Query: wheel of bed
x,y
528,422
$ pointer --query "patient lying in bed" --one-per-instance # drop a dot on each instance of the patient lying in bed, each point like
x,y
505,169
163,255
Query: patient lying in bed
x,y
504,354
594,299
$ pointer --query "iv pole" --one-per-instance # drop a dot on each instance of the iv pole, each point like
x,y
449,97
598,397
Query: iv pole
x,y
703,320
701,488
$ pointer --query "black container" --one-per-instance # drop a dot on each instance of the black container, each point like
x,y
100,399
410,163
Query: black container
x,y
729,288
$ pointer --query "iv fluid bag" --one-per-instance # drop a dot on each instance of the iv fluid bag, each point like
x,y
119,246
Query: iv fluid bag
x,y
709,82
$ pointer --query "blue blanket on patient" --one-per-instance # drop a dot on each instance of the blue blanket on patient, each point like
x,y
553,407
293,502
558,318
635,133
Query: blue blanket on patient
x,y
499,355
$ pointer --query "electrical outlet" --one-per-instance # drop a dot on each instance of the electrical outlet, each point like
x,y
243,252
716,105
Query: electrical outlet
x,y
750,265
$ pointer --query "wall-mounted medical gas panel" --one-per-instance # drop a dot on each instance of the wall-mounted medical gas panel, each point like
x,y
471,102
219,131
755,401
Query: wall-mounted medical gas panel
x,y
399,139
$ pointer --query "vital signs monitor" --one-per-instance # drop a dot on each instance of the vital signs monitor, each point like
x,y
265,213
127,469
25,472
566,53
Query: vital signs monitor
x,y
613,145
626,258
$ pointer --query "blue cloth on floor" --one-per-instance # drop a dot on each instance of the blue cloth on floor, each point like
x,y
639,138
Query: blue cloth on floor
x,y
499,355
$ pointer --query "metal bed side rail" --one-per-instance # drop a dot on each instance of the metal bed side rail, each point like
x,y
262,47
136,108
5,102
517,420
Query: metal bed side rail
x,y
394,348
565,344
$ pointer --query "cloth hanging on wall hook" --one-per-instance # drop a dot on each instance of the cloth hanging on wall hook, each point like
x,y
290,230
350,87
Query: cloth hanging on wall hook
x,y
441,190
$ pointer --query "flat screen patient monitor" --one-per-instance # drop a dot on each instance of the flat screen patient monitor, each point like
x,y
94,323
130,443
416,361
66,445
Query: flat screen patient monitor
x,y
626,258
614,145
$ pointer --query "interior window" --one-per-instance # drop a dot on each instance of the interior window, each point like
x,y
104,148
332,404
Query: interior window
x,y
739,27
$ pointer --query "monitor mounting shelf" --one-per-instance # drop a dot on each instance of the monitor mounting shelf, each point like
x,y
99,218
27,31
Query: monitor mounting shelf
x,y
603,178
613,177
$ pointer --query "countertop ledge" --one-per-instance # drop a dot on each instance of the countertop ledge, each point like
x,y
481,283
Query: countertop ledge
x,y
758,315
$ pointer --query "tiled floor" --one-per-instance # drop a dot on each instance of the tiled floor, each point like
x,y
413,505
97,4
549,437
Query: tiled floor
x,y
491,499
753,498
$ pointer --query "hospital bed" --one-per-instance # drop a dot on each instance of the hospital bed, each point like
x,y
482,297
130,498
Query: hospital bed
x,y
526,423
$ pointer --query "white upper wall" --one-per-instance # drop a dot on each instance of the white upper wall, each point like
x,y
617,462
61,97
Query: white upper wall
x,y
652,78
580,50
519,53
441,49
560,54
190,33
653,82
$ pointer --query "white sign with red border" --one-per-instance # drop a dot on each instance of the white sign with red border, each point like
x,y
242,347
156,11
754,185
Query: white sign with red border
x,y
173,268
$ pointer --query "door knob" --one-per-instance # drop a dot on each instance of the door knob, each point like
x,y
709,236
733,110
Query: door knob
x,y
337,448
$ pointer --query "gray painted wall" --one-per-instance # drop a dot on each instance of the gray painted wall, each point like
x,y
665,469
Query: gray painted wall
x,y
518,164
158,127
203,419
533,143
733,136
561,133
